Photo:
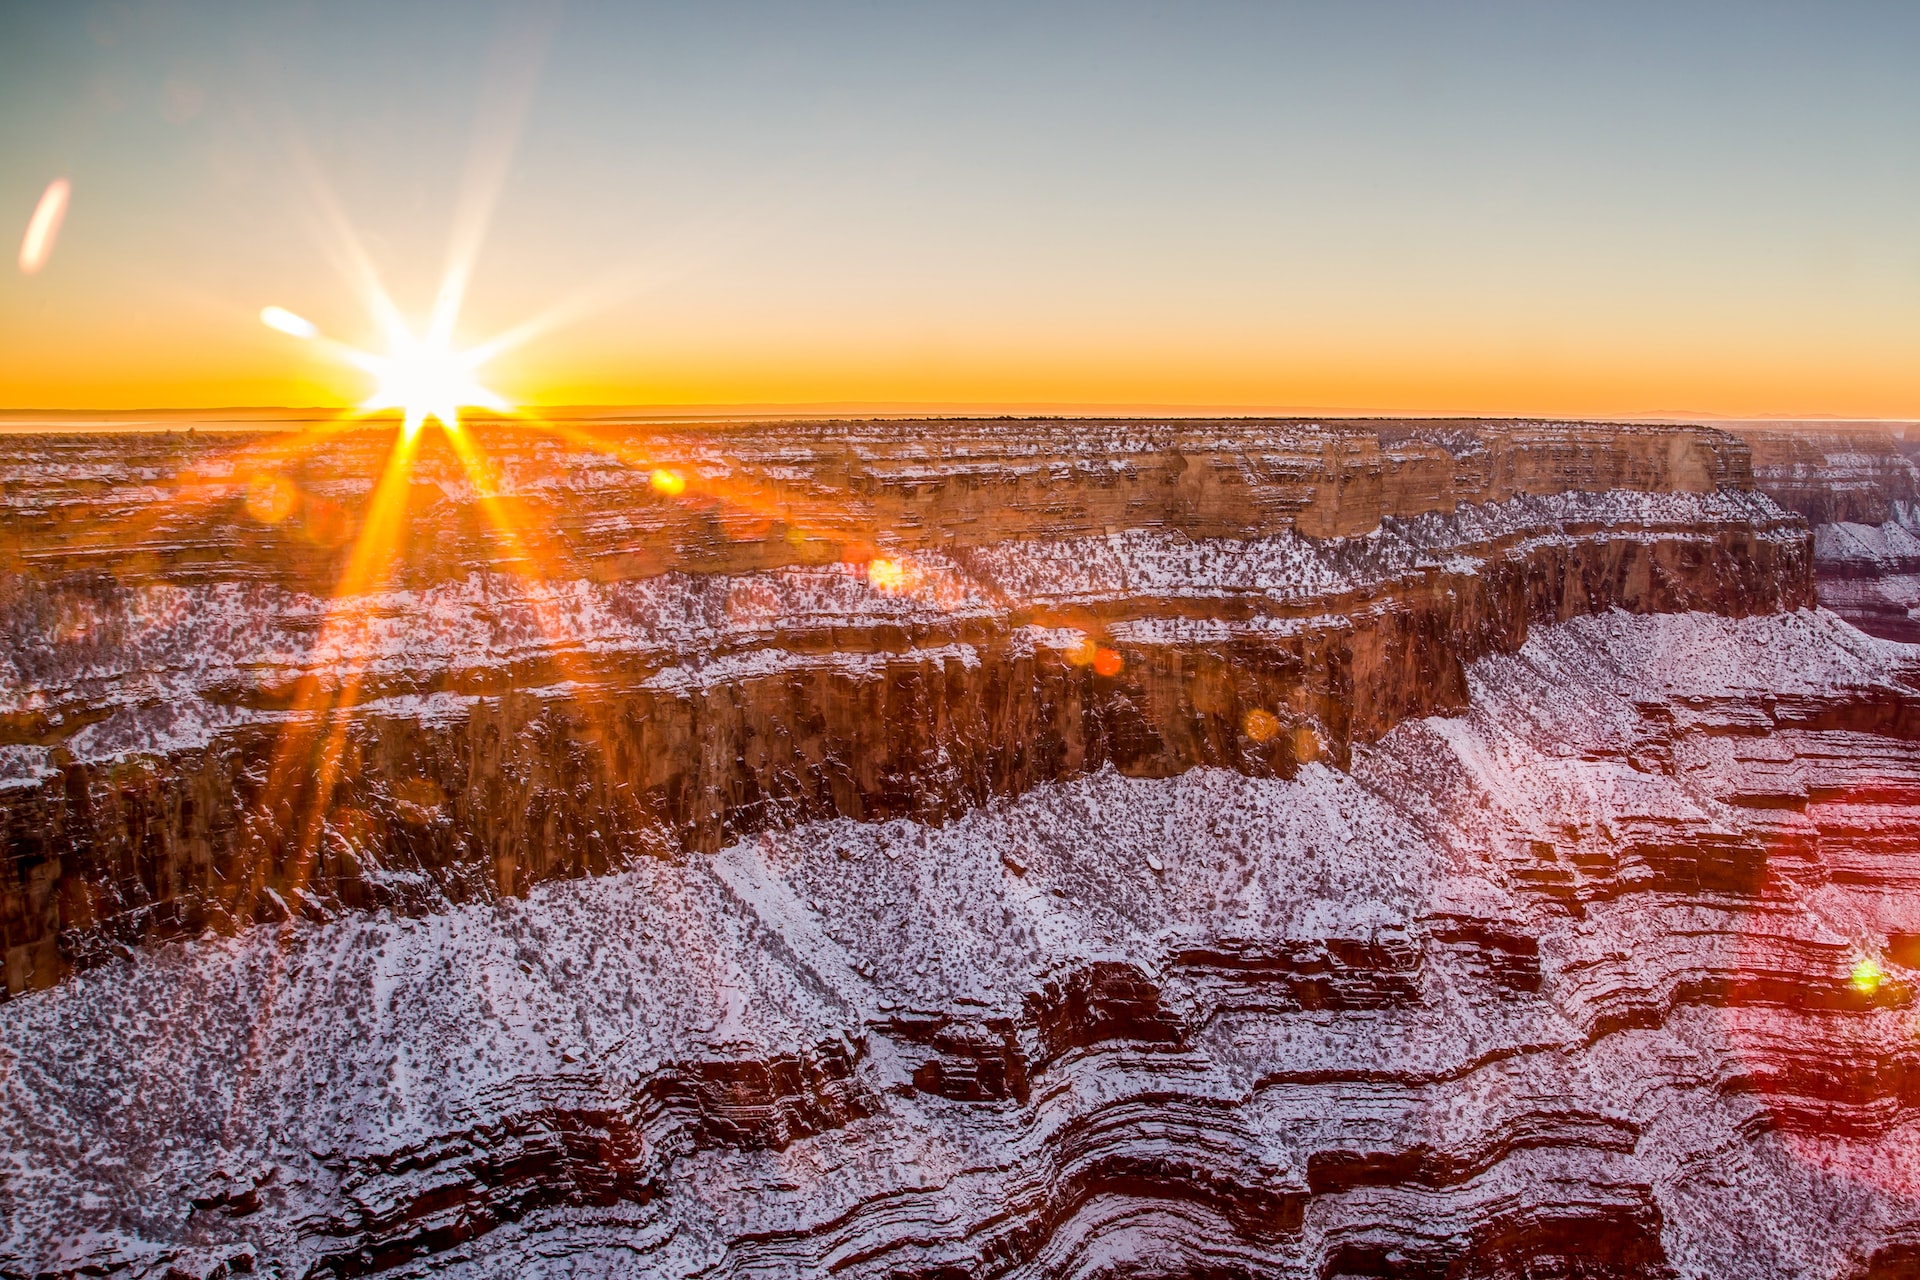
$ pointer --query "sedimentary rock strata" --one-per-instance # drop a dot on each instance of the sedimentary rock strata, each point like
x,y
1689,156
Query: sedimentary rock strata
x,y
1604,976
199,735
1485,860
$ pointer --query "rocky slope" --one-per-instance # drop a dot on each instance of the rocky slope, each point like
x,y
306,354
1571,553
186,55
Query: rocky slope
x,y
1606,976
1482,860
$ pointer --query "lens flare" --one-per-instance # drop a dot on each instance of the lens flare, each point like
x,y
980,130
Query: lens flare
x,y
44,227
884,574
288,323
1868,975
670,483
1261,725
270,498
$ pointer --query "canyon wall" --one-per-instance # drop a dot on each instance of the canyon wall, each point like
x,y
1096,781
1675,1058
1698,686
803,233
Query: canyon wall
x,y
1608,976
567,664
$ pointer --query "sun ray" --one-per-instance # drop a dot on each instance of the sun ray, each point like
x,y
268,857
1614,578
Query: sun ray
x,y
671,260
318,708
319,703
508,81
421,374
339,242
531,556
422,377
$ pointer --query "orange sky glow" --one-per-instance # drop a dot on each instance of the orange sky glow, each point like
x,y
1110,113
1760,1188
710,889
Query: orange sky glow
x,y
1646,212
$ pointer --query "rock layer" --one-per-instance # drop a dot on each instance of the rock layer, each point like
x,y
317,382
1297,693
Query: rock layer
x,y
1605,976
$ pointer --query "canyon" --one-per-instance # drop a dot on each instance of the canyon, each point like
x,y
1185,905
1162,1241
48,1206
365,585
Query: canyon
x,y
953,848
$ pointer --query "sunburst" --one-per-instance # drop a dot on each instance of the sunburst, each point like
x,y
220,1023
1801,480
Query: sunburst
x,y
424,374
421,376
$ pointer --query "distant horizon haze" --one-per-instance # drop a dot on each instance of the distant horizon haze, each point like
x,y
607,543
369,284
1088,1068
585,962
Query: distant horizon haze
x,y
295,417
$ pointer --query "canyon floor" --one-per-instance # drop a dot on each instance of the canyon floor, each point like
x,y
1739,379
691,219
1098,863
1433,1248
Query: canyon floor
x,y
963,849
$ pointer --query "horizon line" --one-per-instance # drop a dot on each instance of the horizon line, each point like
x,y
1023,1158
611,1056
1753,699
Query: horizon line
x,y
16,419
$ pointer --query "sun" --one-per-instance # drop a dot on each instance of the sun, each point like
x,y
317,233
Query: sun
x,y
421,377
425,379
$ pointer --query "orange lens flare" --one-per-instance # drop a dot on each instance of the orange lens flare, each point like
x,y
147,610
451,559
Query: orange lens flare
x,y
271,498
890,575
669,483
1261,726
1107,662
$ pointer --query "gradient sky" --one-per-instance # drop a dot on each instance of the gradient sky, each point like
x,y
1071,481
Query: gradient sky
x,y
1579,209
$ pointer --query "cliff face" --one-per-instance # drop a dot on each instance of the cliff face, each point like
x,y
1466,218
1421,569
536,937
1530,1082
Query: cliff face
x,y
1859,487
953,849
199,736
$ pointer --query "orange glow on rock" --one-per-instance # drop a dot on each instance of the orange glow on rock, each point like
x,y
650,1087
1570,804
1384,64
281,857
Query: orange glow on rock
x,y
1107,662
325,523
419,801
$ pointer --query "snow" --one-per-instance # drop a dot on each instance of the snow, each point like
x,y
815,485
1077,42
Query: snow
x,y
760,663
1886,547
1290,569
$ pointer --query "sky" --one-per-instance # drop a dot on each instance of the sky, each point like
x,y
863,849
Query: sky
x,y
1617,209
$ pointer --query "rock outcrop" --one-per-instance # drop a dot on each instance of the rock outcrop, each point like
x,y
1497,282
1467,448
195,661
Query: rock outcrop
x,y
1606,976
1860,489
1484,860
